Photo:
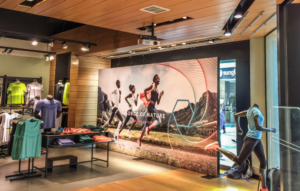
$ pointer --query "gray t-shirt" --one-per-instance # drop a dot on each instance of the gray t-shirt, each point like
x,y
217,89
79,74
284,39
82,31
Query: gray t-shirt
x,y
34,89
48,112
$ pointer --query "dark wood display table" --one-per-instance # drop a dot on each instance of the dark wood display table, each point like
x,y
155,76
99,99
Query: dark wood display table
x,y
48,142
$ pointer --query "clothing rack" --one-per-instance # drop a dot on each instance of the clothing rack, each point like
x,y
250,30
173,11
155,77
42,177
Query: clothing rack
x,y
10,79
29,174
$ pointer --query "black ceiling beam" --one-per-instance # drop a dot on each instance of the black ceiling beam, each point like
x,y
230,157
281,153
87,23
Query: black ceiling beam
x,y
164,23
244,8
27,50
4,32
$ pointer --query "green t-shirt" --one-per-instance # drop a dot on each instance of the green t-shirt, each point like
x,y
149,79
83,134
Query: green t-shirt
x,y
66,94
16,93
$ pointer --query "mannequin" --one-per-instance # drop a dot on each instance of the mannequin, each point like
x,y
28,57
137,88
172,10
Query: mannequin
x,y
51,99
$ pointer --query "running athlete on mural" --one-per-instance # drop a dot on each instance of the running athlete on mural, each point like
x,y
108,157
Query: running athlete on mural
x,y
115,100
104,106
132,101
251,141
150,97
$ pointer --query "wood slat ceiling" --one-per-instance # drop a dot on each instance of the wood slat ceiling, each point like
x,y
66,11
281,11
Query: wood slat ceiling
x,y
125,15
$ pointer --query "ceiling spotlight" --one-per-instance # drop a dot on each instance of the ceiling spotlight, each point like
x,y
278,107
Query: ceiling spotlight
x,y
65,46
173,45
47,58
183,43
51,57
184,17
4,51
9,51
34,42
154,24
211,41
238,12
227,32
159,47
51,44
85,48
133,52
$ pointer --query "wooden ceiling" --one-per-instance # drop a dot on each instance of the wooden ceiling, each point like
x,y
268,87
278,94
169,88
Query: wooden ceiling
x,y
125,15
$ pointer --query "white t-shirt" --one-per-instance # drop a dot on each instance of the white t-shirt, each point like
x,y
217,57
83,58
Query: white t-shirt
x,y
34,89
5,127
115,97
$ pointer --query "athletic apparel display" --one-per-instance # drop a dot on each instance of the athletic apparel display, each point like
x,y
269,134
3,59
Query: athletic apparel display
x,y
27,140
34,89
66,94
59,92
16,92
49,110
5,126
252,132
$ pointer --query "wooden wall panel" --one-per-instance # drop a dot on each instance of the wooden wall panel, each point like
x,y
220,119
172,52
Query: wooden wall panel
x,y
87,90
52,76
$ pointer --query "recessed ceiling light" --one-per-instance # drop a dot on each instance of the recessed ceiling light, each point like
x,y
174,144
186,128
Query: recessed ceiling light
x,y
211,41
34,43
154,24
159,47
173,45
184,17
184,43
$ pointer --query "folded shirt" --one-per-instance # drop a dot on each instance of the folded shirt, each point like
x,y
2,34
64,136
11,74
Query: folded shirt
x,y
64,142
101,138
80,130
93,128
85,139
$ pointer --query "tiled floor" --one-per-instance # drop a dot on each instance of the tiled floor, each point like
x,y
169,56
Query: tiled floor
x,y
228,144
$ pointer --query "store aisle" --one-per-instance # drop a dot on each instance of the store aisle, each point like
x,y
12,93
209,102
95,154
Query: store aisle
x,y
122,167
176,180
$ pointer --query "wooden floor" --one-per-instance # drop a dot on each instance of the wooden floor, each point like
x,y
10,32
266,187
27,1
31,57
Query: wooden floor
x,y
176,180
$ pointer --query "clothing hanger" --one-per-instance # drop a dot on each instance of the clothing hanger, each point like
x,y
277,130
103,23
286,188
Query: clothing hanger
x,y
17,81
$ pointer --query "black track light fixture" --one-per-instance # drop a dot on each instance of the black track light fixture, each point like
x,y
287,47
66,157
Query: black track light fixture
x,y
64,45
238,12
4,51
10,51
51,44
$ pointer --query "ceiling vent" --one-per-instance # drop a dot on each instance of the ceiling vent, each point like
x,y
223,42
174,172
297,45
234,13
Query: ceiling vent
x,y
155,9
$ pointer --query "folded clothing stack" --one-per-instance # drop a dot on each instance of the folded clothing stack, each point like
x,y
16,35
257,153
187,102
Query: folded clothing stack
x,y
85,139
93,128
64,142
101,138
80,130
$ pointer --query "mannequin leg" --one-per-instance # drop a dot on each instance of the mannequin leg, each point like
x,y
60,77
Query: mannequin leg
x,y
259,152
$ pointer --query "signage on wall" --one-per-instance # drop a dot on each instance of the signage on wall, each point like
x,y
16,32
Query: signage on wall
x,y
227,73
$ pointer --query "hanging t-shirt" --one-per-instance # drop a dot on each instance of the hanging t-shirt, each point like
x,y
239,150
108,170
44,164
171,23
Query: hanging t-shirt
x,y
59,92
16,91
5,126
48,110
34,89
66,94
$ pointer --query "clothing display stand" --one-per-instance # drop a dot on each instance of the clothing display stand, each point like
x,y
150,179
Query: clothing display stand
x,y
29,174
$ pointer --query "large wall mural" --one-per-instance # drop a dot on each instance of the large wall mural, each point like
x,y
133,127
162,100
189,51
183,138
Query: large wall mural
x,y
165,112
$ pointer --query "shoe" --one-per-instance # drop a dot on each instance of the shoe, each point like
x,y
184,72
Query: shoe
x,y
264,189
129,133
60,129
116,138
213,146
139,143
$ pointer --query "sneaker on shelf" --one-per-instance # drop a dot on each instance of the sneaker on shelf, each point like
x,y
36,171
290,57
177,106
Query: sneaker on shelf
x,y
129,133
212,146
61,129
43,151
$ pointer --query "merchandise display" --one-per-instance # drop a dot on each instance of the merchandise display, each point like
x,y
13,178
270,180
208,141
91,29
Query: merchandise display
x,y
27,139
59,91
66,94
85,139
50,110
5,126
34,90
16,92
64,142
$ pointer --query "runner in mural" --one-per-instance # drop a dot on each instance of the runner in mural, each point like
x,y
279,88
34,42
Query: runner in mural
x,y
115,100
150,97
132,101
104,105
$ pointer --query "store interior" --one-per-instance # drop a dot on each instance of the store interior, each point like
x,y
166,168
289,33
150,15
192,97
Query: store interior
x,y
149,95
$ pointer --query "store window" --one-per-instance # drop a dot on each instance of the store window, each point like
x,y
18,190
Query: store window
x,y
227,108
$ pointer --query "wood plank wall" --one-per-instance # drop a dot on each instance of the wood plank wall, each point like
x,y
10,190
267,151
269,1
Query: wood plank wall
x,y
87,90
52,76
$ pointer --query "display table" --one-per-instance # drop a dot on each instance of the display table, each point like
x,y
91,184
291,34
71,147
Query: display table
x,y
48,142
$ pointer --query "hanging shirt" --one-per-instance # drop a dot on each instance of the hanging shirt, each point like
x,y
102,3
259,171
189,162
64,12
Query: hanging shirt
x,y
34,89
66,94
59,92
5,126
115,97
16,91
48,110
